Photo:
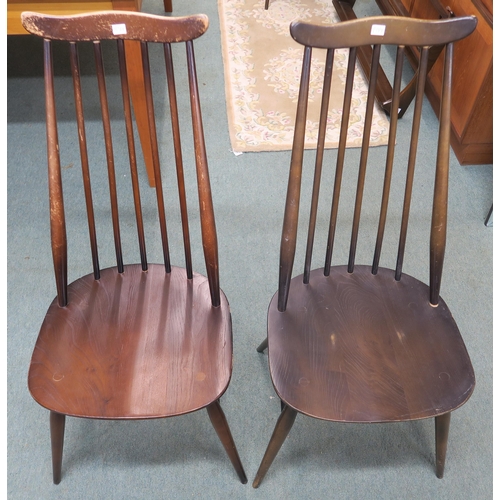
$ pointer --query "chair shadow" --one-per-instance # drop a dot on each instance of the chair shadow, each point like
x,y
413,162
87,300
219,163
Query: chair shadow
x,y
186,439
347,446
25,70
331,445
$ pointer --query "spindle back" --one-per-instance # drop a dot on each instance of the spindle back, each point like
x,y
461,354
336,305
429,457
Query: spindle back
x,y
126,28
375,31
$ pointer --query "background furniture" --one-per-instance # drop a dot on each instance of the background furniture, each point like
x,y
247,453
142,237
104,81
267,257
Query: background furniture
x,y
472,87
383,89
142,340
134,61
365,343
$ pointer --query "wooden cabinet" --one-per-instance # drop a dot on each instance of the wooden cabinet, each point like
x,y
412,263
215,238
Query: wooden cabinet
x,y
472,87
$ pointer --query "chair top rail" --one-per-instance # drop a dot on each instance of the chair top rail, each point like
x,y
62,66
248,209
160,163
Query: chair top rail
x,y
112,25
390,30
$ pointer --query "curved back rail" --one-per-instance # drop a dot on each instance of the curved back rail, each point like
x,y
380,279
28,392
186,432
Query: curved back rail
x,y
145,29
376,31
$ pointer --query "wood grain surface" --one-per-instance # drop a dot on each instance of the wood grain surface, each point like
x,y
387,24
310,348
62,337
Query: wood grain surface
x,y
366,348
133,345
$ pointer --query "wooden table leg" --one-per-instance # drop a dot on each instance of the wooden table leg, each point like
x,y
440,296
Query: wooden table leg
x,y
137,89
383,89
138,95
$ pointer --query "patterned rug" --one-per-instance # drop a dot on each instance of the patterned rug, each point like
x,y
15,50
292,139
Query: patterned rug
x,y
262,65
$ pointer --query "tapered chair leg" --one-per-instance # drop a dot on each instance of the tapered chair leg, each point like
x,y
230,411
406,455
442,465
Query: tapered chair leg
x,y
283,426
167,5
442,426
267,4
57,424
221,426
263,346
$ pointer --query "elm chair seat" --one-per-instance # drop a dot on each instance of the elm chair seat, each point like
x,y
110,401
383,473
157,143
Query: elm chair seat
x,y
358,347
133,345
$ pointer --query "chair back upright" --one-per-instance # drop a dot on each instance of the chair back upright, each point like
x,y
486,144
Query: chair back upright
x,y
126,28
375,31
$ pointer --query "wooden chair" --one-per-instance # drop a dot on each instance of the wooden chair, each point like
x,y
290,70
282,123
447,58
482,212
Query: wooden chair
x,y
363,343
140,340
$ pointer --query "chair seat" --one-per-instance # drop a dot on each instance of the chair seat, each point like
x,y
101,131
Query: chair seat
x,y
133,345
366,348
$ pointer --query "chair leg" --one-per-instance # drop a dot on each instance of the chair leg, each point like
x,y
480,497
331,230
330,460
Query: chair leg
x,y
442,426
267,5
489,218
221,426
283,426
263,346
57,424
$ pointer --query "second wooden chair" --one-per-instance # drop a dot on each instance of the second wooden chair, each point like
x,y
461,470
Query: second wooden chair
x,y
362,343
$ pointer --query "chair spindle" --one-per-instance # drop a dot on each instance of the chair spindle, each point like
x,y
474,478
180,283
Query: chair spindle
x,y
156,157
289,233
208,231
398,72
57,219
75,70
344,127
174,113
132,153
440,203
103,97
327,83
364,154
417,114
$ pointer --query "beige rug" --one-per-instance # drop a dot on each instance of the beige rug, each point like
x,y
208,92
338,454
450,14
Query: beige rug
x,y
262,65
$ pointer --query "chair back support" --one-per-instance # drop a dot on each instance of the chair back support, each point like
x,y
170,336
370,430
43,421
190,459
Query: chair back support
x,y
126,28
375,31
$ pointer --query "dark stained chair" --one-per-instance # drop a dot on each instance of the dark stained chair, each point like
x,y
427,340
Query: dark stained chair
x,y
363,343
137,340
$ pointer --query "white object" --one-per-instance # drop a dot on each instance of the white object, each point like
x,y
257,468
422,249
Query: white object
x,y
119,29
378,30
